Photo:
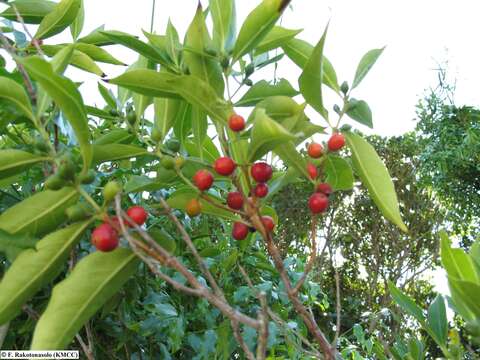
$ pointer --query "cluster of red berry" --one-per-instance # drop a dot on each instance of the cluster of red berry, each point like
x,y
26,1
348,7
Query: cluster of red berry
x,y
319,201
105,236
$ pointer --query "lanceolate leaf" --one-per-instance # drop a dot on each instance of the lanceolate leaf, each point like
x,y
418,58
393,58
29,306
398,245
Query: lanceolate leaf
x,y
406,303
96,38
163,84
66,95
312,78
12,245
376,178
290,156
299,52
437,320
77,26
114,152
117,136
14,92
275,38
31,11
257,25
77,59
223,16
137,45
199,128
263,89
107,96
13,162
360,111
173,45
98,54
456,262
38,214
366,63
166,111
338,173
59,19
198,39
266,135
93,281
35,268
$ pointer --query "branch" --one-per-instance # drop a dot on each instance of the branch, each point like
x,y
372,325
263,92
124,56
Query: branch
x,y
238,336
339,308
313,257
263,330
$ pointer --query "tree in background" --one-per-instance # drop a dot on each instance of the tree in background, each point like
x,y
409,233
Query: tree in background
x,y
449,138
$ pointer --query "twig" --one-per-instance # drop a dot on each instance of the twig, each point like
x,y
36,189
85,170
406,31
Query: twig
x,y
263,330
339,308
25,28
21,69
238,336
313,257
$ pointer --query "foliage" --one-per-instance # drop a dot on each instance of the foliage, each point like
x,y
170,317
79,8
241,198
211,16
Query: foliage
x,y
450,162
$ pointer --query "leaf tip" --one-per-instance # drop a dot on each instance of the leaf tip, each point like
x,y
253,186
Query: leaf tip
x,y
283,5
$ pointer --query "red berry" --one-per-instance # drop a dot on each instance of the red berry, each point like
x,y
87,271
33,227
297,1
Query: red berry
x,y
261,172
137,214
318,203
240,231
336,142
236,123
203,179
105,238
268,223
312,171
261,190
325,188
224,166
315,150
235,200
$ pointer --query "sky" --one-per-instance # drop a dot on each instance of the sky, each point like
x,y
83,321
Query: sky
x,y
417,34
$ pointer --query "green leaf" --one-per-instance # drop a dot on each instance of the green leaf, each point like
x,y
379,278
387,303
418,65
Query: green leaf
x,y
14,92
456,262
266,135
166,112
31,11
93,111
14,162
257,26
98,54
12,245
77,26
141,102
263,89
366,63
163,84
39,213
163,239
114,152
338,173
198,39
137,45
59,19
115,136
35,268
96,38
173,45
290,156
93,281
180,198
208,149
300,51
437,320
183,122
406,303
311,80
66,95
376,178
360,111
223,17
84,62
107,96
275,38
142,183
465,296
199,128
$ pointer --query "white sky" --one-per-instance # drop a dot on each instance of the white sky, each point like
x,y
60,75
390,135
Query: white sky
x,y
416,33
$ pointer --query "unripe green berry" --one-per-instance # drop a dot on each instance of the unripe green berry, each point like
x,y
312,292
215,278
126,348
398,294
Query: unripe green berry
x,y
344,88
113,112
78,212
167,162
173,145
156,134
87,178
54,182
111,189
249,69
179,162
132,118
